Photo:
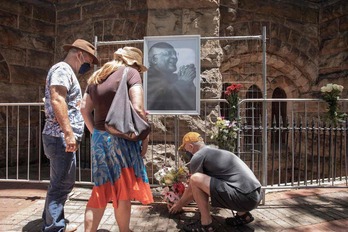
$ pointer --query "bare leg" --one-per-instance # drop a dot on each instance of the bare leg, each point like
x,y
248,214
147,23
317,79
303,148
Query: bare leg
x,y
200,184
122,215
92,218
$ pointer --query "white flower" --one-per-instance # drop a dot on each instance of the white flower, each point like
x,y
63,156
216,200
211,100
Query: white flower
x,y
329,88
339,88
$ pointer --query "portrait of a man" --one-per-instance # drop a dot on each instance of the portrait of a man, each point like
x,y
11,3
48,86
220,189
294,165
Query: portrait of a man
x,y
172,79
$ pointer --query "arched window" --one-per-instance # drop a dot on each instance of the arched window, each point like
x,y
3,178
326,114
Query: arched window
x,y
279,114
253,120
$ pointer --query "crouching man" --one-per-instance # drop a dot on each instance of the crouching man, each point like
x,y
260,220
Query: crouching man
x,y
222,176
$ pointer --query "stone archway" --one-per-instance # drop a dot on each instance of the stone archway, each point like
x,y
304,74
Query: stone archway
x,y
279,115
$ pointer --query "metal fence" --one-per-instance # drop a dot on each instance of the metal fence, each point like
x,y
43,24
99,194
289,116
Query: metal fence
x,y
302,150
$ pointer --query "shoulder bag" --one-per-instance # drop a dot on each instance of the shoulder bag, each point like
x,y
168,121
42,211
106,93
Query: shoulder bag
x,y
122,120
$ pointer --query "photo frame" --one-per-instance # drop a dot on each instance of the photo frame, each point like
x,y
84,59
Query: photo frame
x,y
172,82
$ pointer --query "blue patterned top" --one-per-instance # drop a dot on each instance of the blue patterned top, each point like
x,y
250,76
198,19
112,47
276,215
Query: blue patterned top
x,y
62,74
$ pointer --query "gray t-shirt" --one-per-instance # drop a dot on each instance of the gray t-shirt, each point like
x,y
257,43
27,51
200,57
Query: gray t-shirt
x,y
224,166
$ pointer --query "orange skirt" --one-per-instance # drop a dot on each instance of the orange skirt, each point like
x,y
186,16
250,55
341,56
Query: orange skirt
x,y
118,172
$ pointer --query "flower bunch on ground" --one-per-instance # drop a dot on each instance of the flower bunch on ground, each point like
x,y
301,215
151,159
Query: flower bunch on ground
x,y
331,93
173,181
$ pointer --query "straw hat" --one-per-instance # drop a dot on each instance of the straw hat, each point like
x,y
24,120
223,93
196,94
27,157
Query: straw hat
x,y
131,56
82,45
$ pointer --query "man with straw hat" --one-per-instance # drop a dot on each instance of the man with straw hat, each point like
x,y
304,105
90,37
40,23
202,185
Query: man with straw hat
x,y
63,129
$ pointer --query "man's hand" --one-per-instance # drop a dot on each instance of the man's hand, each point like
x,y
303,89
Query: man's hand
x,y
175,208
187,73
71,143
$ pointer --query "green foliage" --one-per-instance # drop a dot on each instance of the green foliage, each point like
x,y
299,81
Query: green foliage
x,y
331,93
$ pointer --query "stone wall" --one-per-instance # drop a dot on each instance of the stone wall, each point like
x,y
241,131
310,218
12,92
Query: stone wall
x,y
27,44
333,31
167,17
306,46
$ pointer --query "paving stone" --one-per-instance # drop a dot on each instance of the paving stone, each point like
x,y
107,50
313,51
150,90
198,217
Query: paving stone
x,y
295,210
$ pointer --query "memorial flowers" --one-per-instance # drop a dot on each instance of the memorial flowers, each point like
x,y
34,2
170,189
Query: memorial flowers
x,y
227,128
173,180
232,98
331,93
227,134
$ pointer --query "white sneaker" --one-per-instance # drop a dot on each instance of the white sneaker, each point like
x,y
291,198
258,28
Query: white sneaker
x,y
70,227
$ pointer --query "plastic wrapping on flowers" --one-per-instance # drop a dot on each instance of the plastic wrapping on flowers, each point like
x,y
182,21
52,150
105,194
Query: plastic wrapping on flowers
x,y
227,133
173,181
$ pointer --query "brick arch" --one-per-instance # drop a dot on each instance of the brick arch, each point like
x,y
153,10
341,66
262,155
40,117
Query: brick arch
x,y
294,48
302,38
4,70
291,52
248,68
288,85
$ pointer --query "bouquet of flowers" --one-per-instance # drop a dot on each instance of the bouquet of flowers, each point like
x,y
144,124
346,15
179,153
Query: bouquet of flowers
x,y
227,133
331,93
227,129
173,181
232,98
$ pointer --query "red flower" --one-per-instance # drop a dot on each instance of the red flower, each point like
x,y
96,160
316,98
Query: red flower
x,y
233,88
179,188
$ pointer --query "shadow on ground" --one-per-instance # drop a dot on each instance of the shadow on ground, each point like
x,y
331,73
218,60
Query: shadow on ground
x,y
33,226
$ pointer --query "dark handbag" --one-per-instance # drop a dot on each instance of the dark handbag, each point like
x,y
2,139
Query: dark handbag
x,y
122,120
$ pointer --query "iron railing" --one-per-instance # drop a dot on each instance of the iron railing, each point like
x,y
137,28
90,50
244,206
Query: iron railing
x,y
303,149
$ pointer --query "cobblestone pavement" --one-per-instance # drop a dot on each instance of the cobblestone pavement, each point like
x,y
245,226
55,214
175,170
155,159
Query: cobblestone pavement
x,y
314,209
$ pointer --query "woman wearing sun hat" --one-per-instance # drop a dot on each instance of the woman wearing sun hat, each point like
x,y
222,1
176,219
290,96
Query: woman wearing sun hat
x,y
119,172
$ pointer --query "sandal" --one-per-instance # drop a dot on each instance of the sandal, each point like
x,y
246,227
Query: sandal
x,y
198,227
239,220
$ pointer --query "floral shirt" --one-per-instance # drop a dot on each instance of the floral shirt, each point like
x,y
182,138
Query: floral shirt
x,y
62,74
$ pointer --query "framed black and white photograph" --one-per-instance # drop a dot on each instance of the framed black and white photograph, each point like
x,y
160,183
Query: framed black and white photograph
x,y
172,82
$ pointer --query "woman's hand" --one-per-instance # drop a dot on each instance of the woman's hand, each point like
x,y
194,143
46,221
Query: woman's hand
x,y
144,145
